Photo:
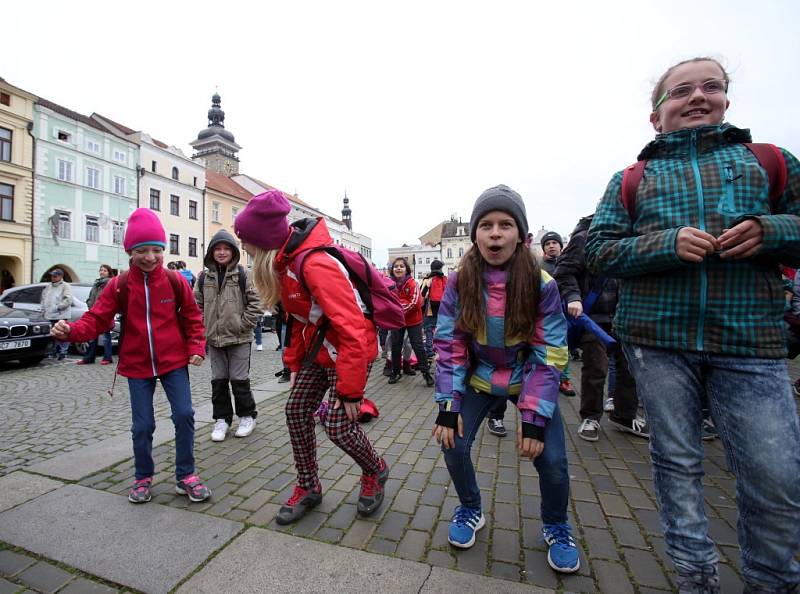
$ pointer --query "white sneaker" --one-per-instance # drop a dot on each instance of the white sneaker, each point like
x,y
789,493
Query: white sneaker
x,y
589,430
259,347
608,405
220,430
246,426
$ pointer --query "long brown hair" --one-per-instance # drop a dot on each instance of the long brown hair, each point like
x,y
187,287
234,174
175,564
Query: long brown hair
x,y
522,293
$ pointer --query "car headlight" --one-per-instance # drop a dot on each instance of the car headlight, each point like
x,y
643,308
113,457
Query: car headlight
x,y
36,329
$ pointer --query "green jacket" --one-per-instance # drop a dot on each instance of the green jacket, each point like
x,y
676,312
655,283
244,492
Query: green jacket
x,y
703,178
228,318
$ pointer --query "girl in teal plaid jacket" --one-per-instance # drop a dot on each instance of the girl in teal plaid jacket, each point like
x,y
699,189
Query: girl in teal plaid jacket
x,y
700,315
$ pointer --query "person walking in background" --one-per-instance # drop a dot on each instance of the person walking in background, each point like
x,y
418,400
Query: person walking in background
x,y
57,305
596,296
162,334
411,299
552,244
331,347
185,272
231,308
697,242
106,274
432,292
502,334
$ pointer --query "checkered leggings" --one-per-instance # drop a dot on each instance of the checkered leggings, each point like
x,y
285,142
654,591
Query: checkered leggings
x,y
309,389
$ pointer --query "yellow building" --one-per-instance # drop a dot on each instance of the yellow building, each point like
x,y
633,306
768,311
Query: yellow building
x,y
16,183
224,200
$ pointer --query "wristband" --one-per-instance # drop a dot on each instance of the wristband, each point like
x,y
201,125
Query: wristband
x,y
447,419
529,430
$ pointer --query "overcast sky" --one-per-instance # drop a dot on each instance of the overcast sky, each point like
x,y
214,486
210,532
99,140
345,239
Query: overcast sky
x,y
413,108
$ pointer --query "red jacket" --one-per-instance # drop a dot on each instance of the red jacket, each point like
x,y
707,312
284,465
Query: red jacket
x,y
156,340
351,341
411,298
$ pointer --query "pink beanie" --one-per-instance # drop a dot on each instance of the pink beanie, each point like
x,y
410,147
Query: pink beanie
x,y
144,228
263,221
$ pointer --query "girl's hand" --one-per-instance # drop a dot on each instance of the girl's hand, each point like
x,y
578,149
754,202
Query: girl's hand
x,y
351,409
527,446
61,330
575,308
743,241
196,360
292,377
693,245
447,435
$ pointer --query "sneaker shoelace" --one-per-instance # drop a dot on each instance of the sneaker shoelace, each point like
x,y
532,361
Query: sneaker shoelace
x,y
369,485
141,485
298,494
466,516
560,535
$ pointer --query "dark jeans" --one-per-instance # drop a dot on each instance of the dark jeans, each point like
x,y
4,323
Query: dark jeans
x,y
497,410
593,379
429,324
257,332
176,385
415,337
91,351
551,464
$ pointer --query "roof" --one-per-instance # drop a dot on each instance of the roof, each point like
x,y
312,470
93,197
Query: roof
x,y
117,125
450,229
74,115
222,183
288,196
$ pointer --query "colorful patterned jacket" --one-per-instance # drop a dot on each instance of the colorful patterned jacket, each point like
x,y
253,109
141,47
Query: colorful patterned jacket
x,y
704,178
527,368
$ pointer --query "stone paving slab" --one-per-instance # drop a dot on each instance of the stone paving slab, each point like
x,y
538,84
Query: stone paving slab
x,y
278,562
19,487
96,533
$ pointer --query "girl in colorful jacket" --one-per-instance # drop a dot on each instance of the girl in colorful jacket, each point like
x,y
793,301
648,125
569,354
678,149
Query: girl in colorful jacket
x,y
700,316
411,299
318,298
158,344
501,333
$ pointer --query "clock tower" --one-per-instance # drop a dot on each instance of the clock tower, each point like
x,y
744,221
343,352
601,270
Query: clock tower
x,y
215,146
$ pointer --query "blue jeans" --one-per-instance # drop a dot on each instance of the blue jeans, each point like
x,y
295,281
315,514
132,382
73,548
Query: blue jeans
x,y
257,332
429,325
551,464
91,350
755,413
176,385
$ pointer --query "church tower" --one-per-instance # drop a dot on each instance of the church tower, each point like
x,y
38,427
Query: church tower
x,y
346,213
215,146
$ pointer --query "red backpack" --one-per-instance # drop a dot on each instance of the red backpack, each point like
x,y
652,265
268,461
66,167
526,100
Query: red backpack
x,y
769,157
438,284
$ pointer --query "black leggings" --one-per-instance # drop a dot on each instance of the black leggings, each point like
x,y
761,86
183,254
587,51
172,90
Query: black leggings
x,y
415,337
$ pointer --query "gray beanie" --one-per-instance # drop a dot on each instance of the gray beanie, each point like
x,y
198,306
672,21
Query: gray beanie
x,y
499,198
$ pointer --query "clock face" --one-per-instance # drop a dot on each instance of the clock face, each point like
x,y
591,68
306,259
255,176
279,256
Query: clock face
x,y
228,167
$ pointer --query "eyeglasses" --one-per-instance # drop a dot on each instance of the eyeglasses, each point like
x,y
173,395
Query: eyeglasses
x,y
709,87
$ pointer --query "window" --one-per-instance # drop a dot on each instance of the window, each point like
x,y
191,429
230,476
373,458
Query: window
x,y
194,183
173,244
427,260
193,209
192,247
174,205
155,199
6,202
63,136
64,170
449,252
92,229
118,233
174,173
460,252
5,144
64,230
120,156
93,178
5,99
93,147
234,212
215,212
153,166
119,185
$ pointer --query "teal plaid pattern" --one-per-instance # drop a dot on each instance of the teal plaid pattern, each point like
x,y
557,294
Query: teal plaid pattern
x,y
703,178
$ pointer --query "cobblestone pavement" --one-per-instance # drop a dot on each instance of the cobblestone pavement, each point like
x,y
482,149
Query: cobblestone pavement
x,y
56,408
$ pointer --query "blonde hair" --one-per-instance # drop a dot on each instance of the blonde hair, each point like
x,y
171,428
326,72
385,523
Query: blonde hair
x,y
265,277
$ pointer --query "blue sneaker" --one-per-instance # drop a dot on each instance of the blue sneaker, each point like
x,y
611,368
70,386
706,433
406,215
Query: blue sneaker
x,y
562,554
465,523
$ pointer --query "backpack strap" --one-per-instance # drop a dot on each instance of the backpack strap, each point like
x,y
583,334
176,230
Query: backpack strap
x,y
201,280
175,279
243,284
771,159
631,178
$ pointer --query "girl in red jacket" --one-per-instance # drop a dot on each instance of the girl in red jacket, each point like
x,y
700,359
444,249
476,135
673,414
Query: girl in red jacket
x,y
163,333
330,345
411,298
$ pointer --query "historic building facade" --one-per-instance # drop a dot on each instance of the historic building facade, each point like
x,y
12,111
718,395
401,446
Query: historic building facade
x,y
16,182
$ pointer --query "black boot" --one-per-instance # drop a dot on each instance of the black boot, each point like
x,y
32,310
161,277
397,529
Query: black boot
x,y
387,369
243,396
394,378
221,399
284,375
428,378
407,368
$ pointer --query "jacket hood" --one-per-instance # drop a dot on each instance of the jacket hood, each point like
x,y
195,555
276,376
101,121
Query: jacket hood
x,y
303,235
678,143
221,236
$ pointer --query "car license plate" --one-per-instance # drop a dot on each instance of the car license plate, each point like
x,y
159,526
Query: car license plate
x,y
14,344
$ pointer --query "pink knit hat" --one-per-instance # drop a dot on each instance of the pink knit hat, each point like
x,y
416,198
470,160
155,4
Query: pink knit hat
x,y
144,228
263,221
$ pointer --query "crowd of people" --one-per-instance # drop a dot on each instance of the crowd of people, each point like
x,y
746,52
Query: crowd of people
x,y
675,279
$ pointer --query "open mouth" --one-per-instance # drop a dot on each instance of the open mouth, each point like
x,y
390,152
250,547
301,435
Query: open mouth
x,y
695,112
495,249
